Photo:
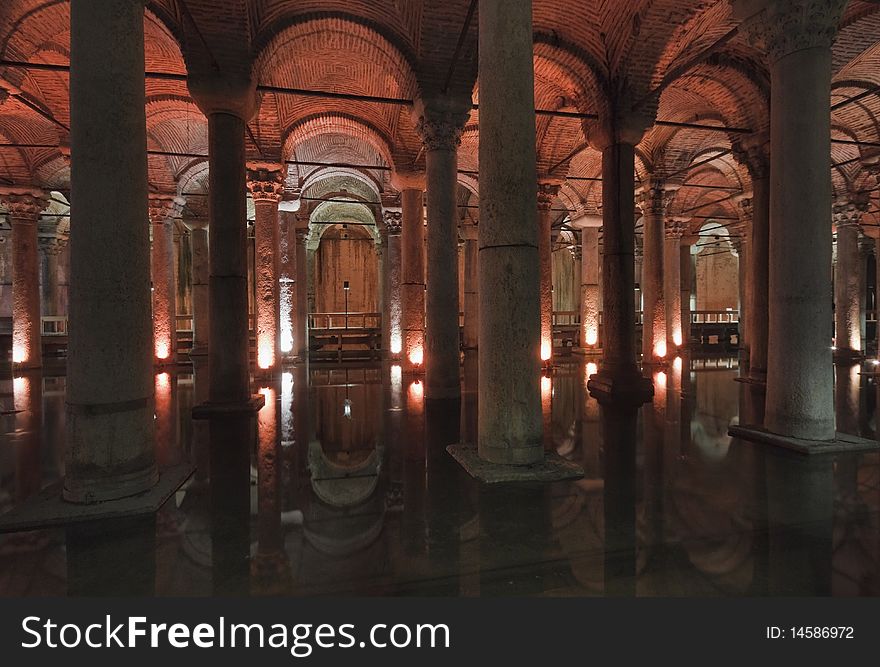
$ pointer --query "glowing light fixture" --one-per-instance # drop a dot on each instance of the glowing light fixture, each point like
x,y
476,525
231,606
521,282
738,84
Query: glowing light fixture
x,y
417,356
545,350
660,349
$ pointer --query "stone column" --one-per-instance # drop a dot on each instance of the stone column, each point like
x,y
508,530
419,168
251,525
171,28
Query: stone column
x,y
50,248
619,376
470,233
301,308
547,191
164,291
847,281
797,38
685,264
652,201
198,240
412,261
286,281
590,298
509,421
739,246
440,125
228,102
675,230
392,313
24,206
265,182
110,431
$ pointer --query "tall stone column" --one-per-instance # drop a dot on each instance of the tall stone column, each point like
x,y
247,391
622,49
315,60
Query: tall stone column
x,y
286,281
265,182
470,233
653,201
228,102
198,239
24,206
847,280
740,249
110,392
412,260
685,264
509,421
301,307
547,191
797,37
590,297
164,291
675,230
440,124
392,313
619,376
50,248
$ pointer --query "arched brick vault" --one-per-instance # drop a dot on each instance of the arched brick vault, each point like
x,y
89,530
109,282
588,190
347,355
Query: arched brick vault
x,y
585,51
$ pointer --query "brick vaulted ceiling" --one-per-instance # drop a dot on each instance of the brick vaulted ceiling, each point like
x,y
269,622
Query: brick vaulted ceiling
x,y
679,60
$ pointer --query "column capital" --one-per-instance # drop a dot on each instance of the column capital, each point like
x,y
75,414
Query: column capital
x,y
51,246
23,204
676,227
745,207
407,180
192,224
576,251
440,121
393,219
229,93
162,207
469,232
302,235
620,125
848,212
783,27
265,181
654,197
547,191
753,151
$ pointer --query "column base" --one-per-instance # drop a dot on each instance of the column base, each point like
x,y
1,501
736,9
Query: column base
x,y
843,442
49,509
553,468
847,356
199,351
587,351
631,387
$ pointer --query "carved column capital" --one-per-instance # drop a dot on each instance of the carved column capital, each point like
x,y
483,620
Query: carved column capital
x,y
753,151
547,191
847,213
393,219
654,197
23,204
302,235
162,208
439,124
784,27
51,246
745,208
676,228
265,181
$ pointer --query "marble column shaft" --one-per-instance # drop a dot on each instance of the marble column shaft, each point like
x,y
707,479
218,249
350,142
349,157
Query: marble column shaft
x,y
759,274
590,297
653,203
164,292
110,391
198,239
412,287
24,206
471,287
392,314
672,283
301,306
847,283
547,191
509,421
686,278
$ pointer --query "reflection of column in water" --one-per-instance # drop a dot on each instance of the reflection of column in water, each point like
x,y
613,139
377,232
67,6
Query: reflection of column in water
x,y
270,568
590,431
412,521
547,411
847,393
231,437
200,446
469,550
167,444
800,519
393,438
654,430
28,400
112,557
619,436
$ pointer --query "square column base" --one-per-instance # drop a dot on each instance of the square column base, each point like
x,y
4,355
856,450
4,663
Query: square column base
x,y
633,388
842,443
209,410
553,468
48,509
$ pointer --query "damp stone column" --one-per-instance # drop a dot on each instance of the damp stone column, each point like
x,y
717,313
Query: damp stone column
x,y
509,420
847,280
591,298
440,122
470,335
110,390
674,231
618,377
198,239
797,37
23,206
547,191
653,201
265,182
301,305
227,99
164,292
412,262
392,314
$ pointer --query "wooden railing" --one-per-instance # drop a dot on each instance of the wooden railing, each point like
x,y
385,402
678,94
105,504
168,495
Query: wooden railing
x,y
714,316
324,321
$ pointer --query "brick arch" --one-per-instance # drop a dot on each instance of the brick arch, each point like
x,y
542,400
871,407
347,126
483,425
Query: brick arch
x,y
175,124
349,180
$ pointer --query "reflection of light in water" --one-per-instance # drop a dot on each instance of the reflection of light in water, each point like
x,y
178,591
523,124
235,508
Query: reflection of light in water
x,y
346,408
546,385
286,408
713,442
676,364
163,383
396,341
545,350
416,391
265,352
592,369
660,380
